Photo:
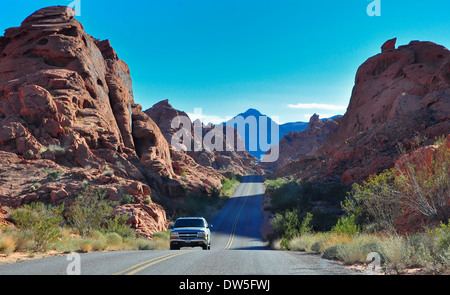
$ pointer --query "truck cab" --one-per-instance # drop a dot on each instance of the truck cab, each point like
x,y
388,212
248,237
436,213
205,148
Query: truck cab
x,y
190,232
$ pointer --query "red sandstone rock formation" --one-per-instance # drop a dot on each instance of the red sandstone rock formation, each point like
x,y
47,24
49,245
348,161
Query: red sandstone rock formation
x,y
226,162
399,95
304,143
67,116
3,215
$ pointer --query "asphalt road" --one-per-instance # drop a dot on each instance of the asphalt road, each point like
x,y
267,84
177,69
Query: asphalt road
x,y
237,248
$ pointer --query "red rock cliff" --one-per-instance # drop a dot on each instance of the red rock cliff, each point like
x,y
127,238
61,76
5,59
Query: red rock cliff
x,y
400,95
67,116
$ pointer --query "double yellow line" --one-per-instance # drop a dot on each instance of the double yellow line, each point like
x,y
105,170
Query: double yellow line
x,y
143,265
233,230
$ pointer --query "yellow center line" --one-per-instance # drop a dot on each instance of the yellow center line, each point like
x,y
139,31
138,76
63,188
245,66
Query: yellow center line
x,y
143,265
231,238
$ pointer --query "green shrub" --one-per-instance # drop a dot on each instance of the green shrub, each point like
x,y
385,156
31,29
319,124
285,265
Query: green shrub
x,y
8,243
333,252
302,243
277,223
305,227
316,247
229,185
118,224
114,239
126,199
291,224
275,183
53,174
441,235
287,195
421,182
91,211
347,225
41,222
374,202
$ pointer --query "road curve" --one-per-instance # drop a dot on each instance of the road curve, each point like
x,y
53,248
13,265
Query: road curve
x,y
237,248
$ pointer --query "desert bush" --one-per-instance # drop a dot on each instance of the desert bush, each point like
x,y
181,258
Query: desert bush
x,y
229,185
118,224
359,247
272,184
91,211
376,201
8,243
303,242
316,247
395,252
85,245
142,244
288,224
99,241
40,222
442,236
305,226
347,225
420,182
154,244
114,240
332,252
423,181
287,195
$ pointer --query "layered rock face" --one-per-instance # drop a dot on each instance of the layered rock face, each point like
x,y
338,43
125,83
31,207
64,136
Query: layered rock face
x,y
399,96
201,170
67,117
304,143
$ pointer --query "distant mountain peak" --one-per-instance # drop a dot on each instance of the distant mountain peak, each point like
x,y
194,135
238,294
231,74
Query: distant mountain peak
x,y
251,112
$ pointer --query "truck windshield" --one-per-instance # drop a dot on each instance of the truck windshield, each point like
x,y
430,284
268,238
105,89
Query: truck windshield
x,y
189,223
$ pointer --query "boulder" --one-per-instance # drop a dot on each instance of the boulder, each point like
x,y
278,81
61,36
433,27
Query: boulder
x,y
389,45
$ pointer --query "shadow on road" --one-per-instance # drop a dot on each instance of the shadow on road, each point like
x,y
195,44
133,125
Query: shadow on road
x,y
251,178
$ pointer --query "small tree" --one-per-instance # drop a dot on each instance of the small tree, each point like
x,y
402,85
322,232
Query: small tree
x,y
346,225
306,227
89,210
376,201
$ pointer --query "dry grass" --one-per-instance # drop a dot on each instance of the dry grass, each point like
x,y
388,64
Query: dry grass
x,y
8,243
17,245
398,254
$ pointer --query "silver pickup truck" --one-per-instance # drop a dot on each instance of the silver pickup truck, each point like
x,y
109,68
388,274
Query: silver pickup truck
x,y
190,232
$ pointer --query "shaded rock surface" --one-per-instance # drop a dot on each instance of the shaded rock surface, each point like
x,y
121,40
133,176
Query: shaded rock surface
x,y
206,166
304,143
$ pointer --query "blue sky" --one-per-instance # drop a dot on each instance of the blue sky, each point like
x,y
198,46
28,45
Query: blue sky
x,y
286,58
